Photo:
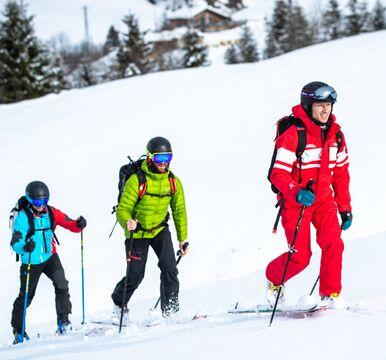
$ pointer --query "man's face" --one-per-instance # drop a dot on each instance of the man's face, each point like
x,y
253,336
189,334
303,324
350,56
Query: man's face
x,y
161,167
321,111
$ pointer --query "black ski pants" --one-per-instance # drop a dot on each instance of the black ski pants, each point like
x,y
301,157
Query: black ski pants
x,y
53,269
163,247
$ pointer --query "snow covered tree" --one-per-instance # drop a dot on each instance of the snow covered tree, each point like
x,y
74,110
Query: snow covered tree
x,y
195,52
276,29
288,29
247,46
357,19
378,20
235,4
299,33
25,66
332,21
231,55
112,40
133,51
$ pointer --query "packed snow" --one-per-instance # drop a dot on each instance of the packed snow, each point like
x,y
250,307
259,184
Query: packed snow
x,y
220,121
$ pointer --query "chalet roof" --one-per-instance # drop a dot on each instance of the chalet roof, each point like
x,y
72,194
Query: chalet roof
x,y
188,13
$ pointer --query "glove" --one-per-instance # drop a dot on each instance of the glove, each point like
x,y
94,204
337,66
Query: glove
x,y
81,223
346,219
29,246
305,197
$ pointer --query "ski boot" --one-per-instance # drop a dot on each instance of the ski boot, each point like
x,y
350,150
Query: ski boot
x,y
18,337
272,291
333,301
64,326
116,316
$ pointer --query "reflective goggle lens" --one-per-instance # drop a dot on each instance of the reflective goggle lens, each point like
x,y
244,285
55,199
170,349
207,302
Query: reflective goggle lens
x,y
160,158
323,93
38,202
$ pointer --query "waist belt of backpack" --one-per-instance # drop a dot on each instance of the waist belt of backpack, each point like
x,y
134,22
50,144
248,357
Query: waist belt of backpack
x,y
163,223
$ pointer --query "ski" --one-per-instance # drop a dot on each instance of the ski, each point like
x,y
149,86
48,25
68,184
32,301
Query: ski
x,y
152,322
284,310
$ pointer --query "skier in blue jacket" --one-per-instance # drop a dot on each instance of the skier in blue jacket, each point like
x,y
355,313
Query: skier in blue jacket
x,y
33,239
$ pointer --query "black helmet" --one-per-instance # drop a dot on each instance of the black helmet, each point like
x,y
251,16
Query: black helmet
x,y
158,145
316,91
37,193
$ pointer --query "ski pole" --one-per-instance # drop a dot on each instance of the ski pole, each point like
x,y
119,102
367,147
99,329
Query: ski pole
x,y
290,252
179,254
313,288
26,297
128,259
112,230
82,265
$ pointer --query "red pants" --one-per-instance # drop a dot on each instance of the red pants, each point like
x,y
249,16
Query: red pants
x,y
325,220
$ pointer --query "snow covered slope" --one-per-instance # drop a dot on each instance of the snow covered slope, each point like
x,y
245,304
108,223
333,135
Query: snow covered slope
x,y
221,124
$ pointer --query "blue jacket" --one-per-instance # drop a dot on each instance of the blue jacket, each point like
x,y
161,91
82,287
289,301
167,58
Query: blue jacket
x,y
44,240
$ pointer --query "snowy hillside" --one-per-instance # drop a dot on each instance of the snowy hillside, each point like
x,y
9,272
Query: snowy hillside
x,y
220,121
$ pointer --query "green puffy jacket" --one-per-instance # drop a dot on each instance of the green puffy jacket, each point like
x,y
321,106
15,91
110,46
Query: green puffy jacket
x,y
151,211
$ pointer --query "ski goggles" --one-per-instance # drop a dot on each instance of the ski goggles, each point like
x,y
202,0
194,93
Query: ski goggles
x,y
161,158
38,202
324,93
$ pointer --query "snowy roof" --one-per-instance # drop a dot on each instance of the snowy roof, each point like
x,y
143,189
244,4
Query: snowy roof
x,y
188,13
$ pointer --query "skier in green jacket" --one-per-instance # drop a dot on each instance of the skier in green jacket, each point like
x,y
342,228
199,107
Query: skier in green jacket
x,y
147,217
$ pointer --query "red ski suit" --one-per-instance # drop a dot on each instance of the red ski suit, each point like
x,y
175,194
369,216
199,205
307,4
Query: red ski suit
x,y
327,165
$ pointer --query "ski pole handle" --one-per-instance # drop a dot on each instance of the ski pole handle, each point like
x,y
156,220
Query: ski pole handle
x,y
184,247
310,184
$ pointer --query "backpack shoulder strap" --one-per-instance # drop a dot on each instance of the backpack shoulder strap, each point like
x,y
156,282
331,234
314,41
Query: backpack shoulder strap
x,y
172,182
302,139
51,217
339,139
31,223
52,223
142,187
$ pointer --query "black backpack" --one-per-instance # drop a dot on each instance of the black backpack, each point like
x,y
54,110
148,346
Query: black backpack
x,y
23,205
282,126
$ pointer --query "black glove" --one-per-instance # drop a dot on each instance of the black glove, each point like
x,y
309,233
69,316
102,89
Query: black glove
x,y
346,219
29,246
81,223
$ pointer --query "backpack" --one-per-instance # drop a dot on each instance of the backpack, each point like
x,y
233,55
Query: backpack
x,y
23,205
282,126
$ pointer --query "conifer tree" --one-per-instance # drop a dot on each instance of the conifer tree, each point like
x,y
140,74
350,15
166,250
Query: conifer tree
x,y
357,20
235,4
298,32
247,46
332,21
195,52
25,71
288,29
378,20
133,51
276,29
231,55
112,40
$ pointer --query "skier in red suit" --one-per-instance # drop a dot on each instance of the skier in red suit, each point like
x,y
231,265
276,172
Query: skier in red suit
x,y
324,160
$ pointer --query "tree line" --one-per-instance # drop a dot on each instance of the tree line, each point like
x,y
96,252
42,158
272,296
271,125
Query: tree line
x,y
30,68
289,28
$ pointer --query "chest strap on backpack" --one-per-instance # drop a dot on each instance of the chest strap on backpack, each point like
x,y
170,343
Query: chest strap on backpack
x,y
163,223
